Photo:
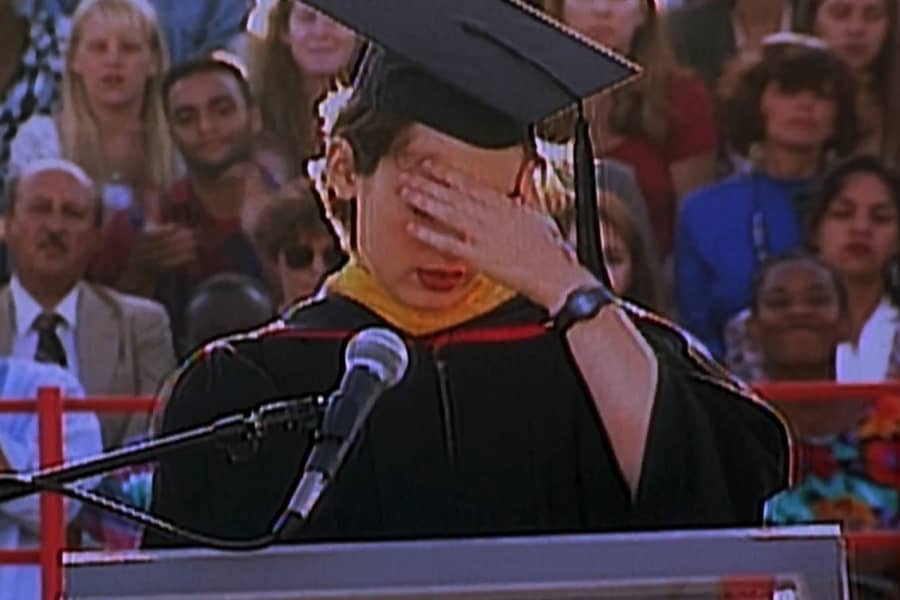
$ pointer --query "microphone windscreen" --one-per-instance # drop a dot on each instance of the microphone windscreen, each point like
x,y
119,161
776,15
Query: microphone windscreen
x,y
380,351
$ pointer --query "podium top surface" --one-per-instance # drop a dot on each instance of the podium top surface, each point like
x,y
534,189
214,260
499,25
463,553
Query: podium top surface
x,y
808,558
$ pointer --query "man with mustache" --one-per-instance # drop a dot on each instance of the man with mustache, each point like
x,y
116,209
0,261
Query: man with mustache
x,y
114,344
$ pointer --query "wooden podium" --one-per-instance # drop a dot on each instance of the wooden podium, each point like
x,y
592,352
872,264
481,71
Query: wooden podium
x,y
796,562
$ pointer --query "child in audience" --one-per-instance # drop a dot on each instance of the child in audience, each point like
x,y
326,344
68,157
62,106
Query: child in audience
x,y
848,449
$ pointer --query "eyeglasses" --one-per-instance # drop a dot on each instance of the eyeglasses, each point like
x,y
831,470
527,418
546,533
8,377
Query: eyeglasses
x,y
526,168
301,256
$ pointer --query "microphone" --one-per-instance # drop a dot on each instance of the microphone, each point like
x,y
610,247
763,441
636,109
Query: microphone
x,y
376,360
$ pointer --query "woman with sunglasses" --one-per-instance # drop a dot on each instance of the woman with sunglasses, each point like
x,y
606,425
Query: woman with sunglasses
x,y
533,403
298,244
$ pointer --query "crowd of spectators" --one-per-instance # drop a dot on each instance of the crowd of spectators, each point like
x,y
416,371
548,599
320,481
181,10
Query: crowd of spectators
x,y
153,173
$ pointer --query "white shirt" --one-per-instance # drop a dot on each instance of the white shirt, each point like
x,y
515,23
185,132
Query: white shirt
x,y
868,361
27,310
37,138
20,518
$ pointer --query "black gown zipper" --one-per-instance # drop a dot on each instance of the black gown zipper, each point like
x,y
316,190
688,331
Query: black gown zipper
x,y
446,410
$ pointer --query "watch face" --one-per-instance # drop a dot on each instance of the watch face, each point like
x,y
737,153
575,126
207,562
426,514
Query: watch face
x,y
584,304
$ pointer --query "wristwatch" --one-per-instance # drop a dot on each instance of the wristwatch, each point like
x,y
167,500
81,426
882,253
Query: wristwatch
x,y
581,305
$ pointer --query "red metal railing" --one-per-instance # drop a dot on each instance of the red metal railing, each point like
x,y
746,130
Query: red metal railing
x,y
50,406
824,391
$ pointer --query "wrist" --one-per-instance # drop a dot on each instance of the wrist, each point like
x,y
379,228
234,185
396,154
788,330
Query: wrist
x,y
582,304
557,289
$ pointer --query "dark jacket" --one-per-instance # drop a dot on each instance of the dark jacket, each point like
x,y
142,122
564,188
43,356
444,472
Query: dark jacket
x,y
491,432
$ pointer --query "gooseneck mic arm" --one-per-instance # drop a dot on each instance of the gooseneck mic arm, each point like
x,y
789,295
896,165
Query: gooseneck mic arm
x,y
305,413
377,360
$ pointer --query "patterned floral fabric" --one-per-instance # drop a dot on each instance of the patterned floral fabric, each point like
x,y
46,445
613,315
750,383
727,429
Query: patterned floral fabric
x,y
852,478
35,87
98,528
741,355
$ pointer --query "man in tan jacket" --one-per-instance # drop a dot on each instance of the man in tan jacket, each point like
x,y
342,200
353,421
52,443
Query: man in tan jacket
x,y
113,343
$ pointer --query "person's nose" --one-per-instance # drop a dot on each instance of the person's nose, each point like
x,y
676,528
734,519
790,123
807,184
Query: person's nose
x,y
855,25
799,310
205,123
861,225
54,222
806,100
114,54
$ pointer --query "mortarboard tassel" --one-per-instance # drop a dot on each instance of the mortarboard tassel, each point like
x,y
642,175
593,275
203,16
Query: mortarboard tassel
x,y
590,250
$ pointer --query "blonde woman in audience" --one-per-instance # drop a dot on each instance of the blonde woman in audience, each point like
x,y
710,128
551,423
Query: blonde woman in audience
x,y
854,228
294,67
864,34
662,125
111,120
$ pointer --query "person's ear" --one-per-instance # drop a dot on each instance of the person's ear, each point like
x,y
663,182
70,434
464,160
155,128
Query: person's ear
x,y
340,170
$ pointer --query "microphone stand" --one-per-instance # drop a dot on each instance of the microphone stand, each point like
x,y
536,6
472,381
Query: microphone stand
x,y
306,413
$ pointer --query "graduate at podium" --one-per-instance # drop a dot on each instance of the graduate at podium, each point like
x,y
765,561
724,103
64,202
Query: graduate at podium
x,y
534,402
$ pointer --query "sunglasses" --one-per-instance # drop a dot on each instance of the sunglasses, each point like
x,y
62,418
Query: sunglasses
x,y
301,256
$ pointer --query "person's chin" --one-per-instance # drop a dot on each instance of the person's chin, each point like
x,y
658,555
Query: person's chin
x,y
419,297
805,350
116,98
54,271
213,166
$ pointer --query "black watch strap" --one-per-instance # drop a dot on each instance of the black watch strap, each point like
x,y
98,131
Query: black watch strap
x,y
581,305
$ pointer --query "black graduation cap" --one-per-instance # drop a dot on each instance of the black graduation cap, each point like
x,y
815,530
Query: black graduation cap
x,y
484,71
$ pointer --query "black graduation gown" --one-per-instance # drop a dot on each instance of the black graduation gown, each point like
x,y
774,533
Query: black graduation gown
x,y
491,432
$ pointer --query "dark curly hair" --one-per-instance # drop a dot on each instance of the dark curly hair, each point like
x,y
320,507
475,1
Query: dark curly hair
x,y
794,68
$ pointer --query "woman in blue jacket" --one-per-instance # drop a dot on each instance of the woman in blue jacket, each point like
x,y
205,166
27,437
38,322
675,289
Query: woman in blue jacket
x,y
788,110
